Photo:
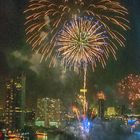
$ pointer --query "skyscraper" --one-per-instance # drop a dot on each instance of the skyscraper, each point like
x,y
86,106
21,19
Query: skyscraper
x,y
15,102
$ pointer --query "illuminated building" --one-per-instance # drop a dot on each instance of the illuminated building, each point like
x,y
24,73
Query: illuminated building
x,y
49,112
111,111
101,98
1,98
1,118
15,103
29,117
1,114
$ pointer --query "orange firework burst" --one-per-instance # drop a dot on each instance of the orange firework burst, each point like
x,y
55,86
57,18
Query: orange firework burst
x,y
84,41
129,88
45,18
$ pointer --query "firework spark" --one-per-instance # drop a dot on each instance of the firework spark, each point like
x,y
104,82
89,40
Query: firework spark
x,y
45,18
129,87
84,41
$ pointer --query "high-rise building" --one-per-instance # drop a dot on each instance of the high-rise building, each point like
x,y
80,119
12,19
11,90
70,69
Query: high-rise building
x,y
50,111
15,102
30,117
101,106
1,118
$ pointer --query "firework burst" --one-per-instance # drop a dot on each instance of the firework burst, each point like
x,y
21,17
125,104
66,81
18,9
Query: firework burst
x,y
129,88
45,19
84,41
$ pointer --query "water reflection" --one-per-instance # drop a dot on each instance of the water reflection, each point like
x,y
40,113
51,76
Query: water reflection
x,y
42,136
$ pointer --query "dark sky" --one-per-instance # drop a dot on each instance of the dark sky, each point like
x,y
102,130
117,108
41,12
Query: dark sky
x,y
42,81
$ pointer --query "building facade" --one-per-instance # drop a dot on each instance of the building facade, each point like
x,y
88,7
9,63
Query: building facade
x,y
15,103
29,117
50,111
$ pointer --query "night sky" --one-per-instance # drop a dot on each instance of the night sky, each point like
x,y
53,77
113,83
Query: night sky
x,y
16,57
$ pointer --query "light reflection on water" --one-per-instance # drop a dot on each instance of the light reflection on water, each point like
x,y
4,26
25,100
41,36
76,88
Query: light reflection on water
x,y
131,137
42,139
